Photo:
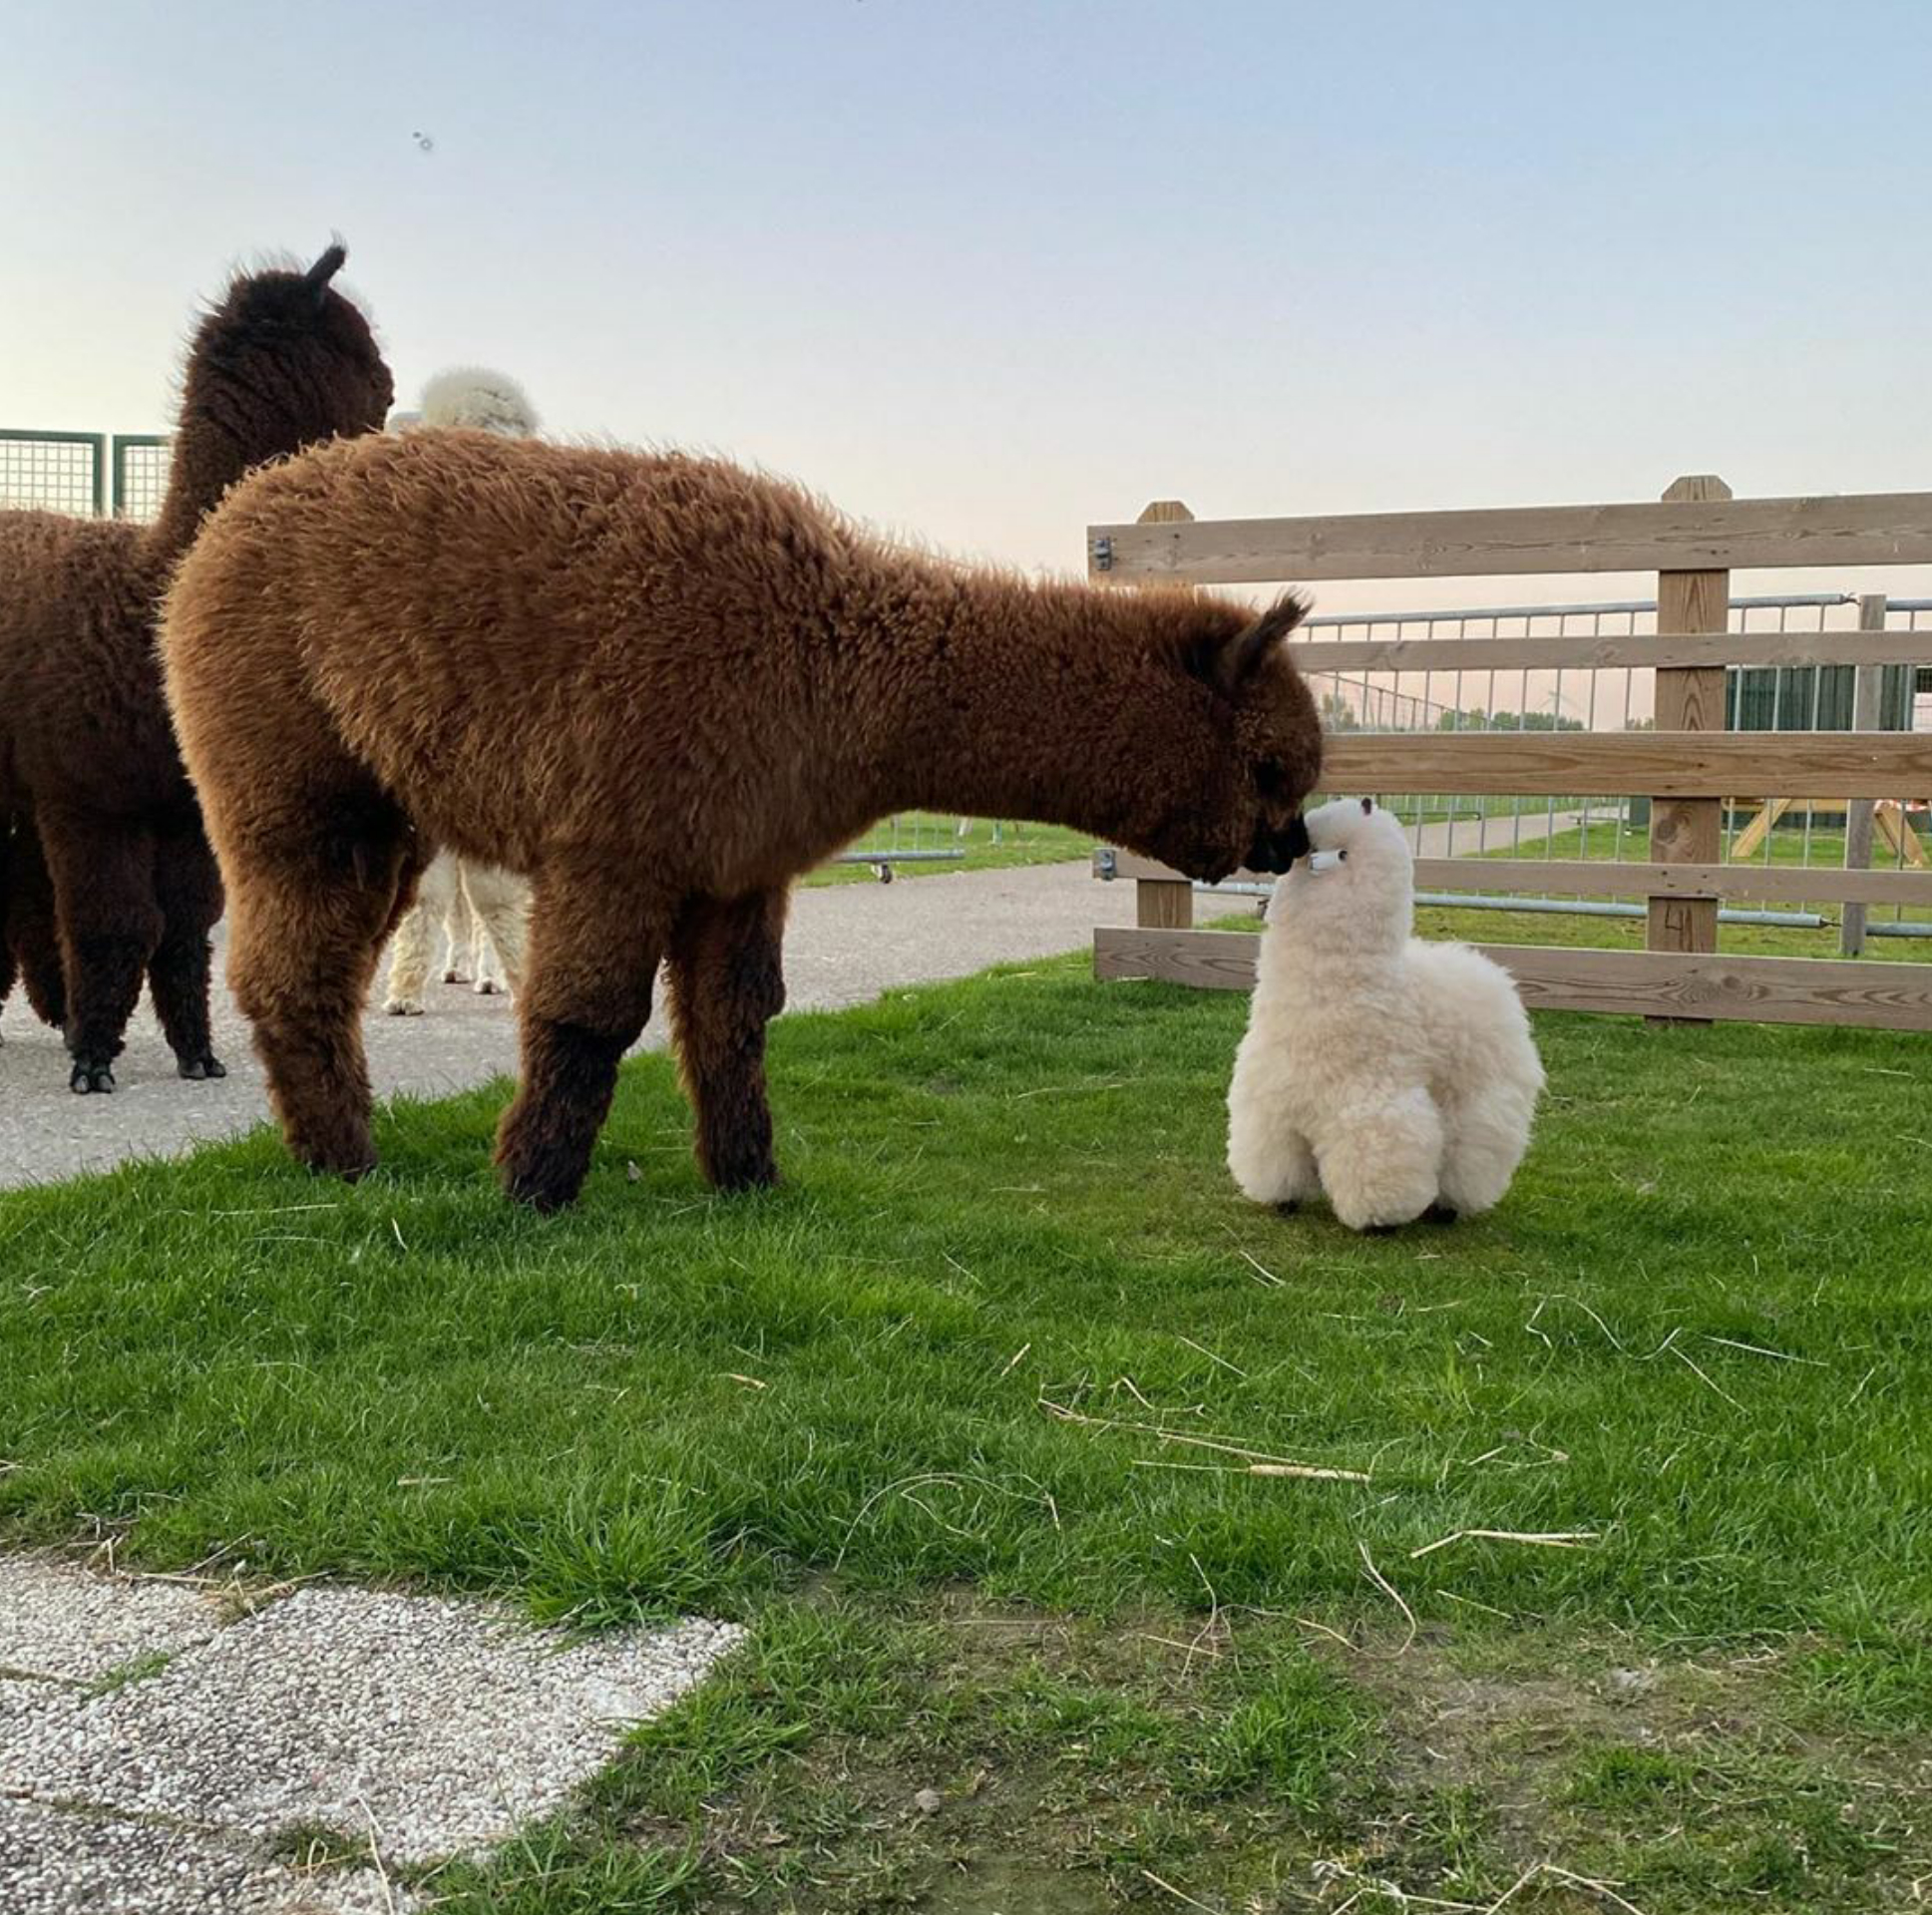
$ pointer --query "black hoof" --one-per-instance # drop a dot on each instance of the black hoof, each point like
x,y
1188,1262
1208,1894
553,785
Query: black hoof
x,y
1441,1214
1379,1229
197,1068
1288,1209
486,989
90,1079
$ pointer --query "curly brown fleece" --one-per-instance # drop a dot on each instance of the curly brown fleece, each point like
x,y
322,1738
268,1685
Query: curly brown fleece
x,y
105,870
661,687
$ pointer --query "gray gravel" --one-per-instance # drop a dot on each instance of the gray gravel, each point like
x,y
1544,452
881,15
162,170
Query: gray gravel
x,y
847,944
425,1726
62,1863
61,1623
444,1725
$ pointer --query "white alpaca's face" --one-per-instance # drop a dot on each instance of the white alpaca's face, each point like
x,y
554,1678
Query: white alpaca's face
x,y
1359,868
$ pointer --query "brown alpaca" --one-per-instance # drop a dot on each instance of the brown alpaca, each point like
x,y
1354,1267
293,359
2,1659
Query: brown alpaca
x,y
105,870
662,688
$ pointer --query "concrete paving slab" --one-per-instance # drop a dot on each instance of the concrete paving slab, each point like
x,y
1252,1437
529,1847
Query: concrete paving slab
x,y
442,1725
62,1863
60,1621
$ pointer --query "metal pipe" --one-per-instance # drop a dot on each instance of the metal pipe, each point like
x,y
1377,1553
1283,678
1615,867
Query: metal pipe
x,y
1617,605
1898,930
896,857
1570,907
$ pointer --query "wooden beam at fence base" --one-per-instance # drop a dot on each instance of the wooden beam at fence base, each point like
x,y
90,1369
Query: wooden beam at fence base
x,y
1658,764
1591,651
1646,984
1686,534
1605,877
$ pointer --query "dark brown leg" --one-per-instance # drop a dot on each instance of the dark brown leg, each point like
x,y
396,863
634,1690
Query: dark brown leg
x,y
587,995
188,889
33,937
103,896
727,982
311,898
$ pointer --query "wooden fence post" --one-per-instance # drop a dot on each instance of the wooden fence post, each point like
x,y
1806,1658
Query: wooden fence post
x,y
1163,904
1868,687
1688,830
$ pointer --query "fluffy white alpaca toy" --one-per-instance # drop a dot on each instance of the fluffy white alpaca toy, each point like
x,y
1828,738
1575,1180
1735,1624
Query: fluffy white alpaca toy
x,y
1396,1076
478,906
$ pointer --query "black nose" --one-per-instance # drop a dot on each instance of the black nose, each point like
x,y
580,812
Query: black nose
x,y
1276,849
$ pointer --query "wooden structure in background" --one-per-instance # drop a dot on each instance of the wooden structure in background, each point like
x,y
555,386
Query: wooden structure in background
x,y
1688,767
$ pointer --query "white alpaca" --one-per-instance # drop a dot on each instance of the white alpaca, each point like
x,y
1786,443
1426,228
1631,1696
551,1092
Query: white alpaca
x,y
479,907
1396,1076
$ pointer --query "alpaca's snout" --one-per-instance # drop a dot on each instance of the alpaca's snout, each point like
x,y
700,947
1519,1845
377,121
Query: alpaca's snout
x,y
1275,851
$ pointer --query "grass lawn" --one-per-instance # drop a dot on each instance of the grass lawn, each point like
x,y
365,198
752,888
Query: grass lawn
x,y
962,1421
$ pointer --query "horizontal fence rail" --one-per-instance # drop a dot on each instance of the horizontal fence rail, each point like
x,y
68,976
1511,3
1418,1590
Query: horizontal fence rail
x,y
1679,534
1692,985
1658,764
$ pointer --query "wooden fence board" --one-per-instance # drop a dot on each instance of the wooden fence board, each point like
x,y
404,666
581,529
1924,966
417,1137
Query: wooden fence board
x,y
1695,984
1656,764
1875,529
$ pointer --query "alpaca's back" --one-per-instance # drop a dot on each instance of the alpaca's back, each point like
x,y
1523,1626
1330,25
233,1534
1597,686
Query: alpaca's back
x,y
76,659
1468,1022
519,638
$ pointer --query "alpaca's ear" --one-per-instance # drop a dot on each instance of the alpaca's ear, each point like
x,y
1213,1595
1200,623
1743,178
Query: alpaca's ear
x,y
1230,663
317,277
1367,806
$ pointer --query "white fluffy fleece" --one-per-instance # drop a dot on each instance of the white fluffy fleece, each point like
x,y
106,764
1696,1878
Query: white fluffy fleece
x,y
480,398
1396,1076
484,912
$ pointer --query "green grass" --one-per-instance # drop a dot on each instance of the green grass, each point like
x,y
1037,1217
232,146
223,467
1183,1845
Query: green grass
x,y
1695,1331
1018,843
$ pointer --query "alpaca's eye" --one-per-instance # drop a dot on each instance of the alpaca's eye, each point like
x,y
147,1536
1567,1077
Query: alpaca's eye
x,y
1269,780
1342,857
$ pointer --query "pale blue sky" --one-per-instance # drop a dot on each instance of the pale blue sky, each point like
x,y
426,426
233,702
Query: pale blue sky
x,y
986,270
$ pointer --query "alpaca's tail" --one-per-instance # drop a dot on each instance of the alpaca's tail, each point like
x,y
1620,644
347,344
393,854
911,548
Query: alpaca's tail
x,y
483,400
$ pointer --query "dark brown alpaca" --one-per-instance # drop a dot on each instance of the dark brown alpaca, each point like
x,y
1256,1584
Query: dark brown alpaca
x,y
662,688
105,870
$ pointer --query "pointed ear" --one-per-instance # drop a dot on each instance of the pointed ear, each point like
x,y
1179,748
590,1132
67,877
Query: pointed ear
x,y
317,277
1228,664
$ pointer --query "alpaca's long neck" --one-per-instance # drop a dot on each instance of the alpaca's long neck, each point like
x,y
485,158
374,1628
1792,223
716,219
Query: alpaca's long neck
x,y
995,681
207,459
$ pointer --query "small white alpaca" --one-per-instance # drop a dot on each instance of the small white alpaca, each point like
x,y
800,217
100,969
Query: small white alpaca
x,y
484,912
1396,1076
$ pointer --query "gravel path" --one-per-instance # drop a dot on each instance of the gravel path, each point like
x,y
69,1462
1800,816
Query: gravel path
x,y
847,944
182,1741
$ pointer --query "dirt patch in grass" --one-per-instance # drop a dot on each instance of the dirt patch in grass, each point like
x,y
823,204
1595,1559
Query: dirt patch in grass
x,y
1603,1771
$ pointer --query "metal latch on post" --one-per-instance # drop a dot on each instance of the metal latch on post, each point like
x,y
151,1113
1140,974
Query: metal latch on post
x,y
1104,555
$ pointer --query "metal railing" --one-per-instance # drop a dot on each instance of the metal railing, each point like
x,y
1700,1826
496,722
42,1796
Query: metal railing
x,y
85,474
1598,698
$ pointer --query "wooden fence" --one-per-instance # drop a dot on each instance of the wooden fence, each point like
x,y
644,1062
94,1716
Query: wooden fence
x,y
1688,767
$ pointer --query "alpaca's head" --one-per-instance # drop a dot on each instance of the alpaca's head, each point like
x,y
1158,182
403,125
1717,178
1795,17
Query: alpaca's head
x,y
1231,735
284,361
477,399
1355,891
